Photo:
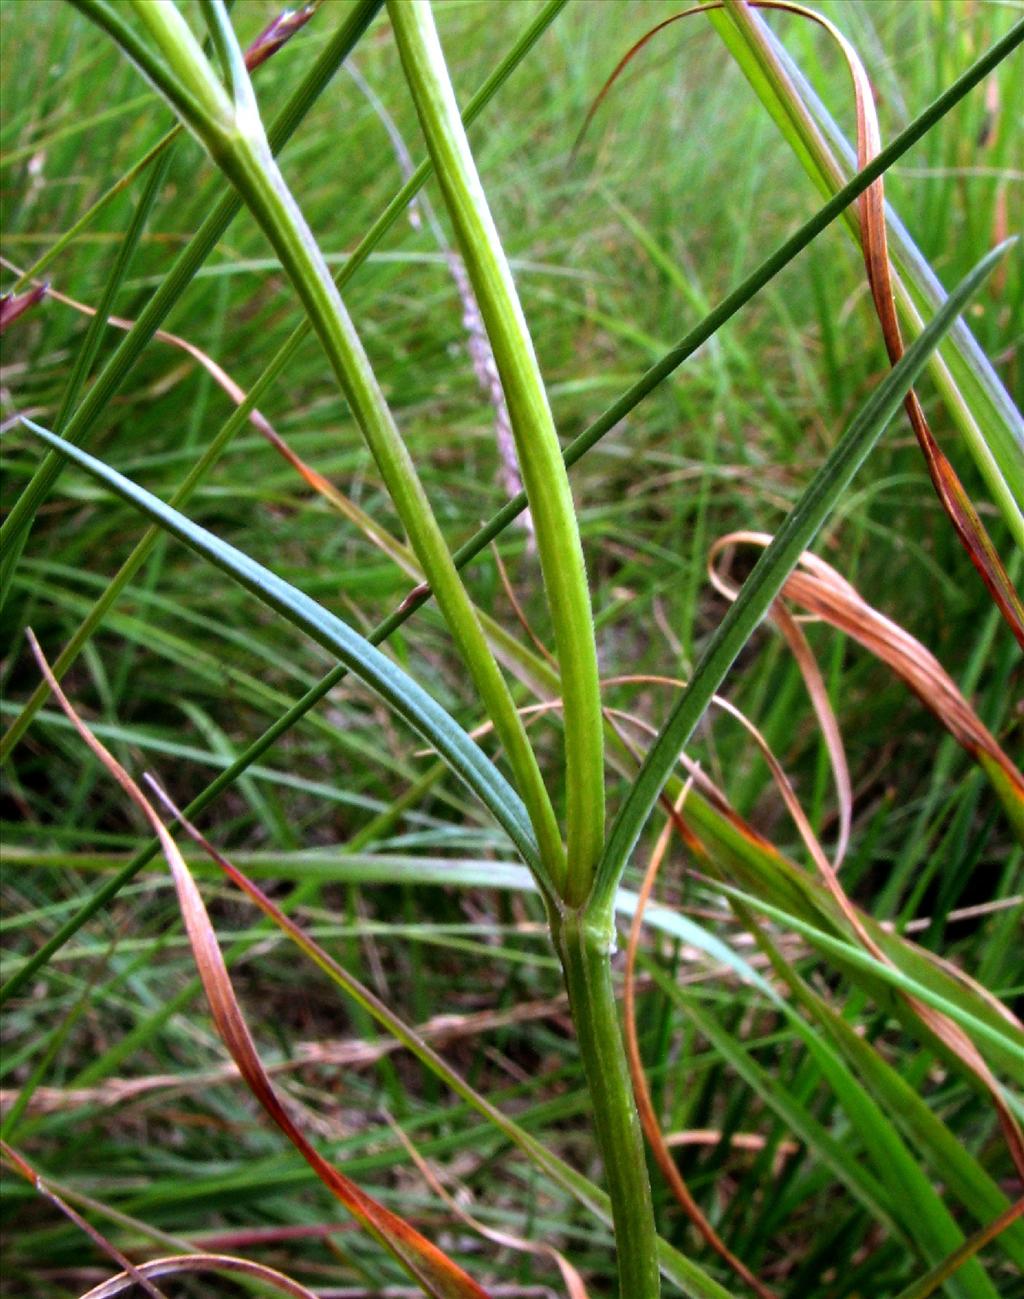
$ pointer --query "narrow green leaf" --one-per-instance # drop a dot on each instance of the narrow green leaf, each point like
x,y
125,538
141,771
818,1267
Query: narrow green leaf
x,y
952,1162
765,581
366,662
86,354
991,426
1005,1043
735,857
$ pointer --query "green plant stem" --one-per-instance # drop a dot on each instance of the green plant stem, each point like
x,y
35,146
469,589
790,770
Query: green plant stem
x,y
241,150
186,79
585,952
256,176
584,947
540,456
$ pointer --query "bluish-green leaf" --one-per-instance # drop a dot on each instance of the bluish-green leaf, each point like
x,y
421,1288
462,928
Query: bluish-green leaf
x,y
394,686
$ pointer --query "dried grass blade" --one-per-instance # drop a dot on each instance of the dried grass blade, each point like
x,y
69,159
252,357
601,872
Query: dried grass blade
x,y
958,506
180,1264
824,592
428,1266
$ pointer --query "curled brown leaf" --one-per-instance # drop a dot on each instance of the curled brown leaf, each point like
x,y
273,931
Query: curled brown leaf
x,y
825,593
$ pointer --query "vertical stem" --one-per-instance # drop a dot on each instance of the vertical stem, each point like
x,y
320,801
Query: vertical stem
x,y
583,937
585,951
540,455
256,175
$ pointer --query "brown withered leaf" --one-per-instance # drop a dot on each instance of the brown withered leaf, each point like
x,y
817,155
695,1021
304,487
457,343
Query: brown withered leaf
x,y
430,1267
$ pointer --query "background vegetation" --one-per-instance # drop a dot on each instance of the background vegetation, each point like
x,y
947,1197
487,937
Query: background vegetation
x,y
682,185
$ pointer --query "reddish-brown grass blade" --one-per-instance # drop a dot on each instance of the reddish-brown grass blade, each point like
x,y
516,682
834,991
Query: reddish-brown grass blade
x,y
190,1265
931,1282
874,243
436,1274
641,1090
133,1274
824,592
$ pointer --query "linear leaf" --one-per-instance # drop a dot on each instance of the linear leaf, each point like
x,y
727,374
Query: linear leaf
x,y
765,582
396,687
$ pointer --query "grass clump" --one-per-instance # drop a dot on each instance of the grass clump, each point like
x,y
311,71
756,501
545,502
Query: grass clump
x,y
673,331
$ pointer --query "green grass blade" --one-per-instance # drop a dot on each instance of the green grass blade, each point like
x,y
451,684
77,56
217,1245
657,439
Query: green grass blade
x,y
733,856
87,352
41,264
1005,1044
991,426
765,582
903,1200
952,1163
